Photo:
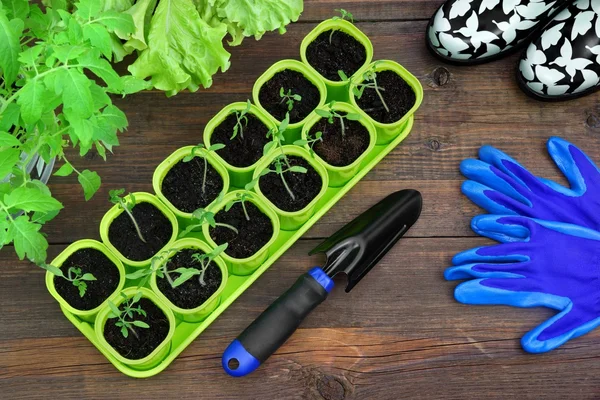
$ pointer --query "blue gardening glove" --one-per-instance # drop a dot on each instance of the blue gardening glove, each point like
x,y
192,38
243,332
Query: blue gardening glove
x,y
501,185
538,263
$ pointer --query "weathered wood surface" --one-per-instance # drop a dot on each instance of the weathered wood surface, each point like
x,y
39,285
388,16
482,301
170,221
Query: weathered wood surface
x,y
399,334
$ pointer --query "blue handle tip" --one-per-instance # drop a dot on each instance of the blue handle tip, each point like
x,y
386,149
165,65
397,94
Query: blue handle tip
x,y
237,361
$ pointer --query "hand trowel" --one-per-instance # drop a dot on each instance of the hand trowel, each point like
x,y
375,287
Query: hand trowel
x,y
353,250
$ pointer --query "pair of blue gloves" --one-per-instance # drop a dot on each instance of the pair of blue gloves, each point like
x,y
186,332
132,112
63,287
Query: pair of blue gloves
x,y
549,251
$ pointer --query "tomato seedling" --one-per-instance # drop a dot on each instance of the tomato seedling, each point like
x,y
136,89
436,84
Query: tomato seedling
x,y
204,259
200,217
126,316
289,98
74,276
241,121
330,113
311,141
127,206
344,15
370,77
202,153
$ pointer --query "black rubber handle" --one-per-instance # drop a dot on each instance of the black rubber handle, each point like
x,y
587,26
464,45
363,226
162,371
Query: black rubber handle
x,y
275,325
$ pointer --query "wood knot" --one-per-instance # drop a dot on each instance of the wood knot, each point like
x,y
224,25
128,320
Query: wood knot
x,y
91,155
330,388
433,145
592,120
440,76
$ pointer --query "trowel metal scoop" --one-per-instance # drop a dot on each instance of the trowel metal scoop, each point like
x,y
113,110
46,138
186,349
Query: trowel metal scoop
x,y
353,250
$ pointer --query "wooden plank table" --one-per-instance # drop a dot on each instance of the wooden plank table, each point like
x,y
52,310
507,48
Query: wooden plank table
x,y
399,334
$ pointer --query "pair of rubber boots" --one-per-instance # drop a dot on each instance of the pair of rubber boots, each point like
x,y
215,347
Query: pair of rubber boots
x,y
562,60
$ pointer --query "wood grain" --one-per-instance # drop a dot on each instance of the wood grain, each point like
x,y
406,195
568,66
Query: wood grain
x,y
399,334
463,108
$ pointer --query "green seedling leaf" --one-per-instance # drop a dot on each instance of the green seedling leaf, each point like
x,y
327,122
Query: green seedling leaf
x,y
88,277
28,241
65,170
115,310
90,182
31,199
8,159
137,297
8,140
52,269
141,324
343,76
323,113
137,274
298,169
10,33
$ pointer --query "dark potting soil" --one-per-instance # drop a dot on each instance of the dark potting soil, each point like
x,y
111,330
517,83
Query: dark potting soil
x,y
338,150
191,293
252,235
96,263
305,187
241,151
398,96
269,95
155,227
182,185
344,53
132,347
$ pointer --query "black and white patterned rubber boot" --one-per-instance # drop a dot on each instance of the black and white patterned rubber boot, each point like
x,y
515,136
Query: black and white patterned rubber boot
x,y
564,61
476,31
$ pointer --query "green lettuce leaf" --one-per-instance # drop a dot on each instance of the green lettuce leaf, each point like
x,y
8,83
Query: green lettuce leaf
x,y
141,12
254,18
184,51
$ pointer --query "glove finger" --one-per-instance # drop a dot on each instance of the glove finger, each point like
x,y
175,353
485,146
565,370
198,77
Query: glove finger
x,y
557,187
467,271
573,163
494,178
492,200
498,253
518,292
566,325
511,167
504,229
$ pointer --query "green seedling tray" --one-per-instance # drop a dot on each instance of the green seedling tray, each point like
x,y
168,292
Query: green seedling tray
x,y
186,332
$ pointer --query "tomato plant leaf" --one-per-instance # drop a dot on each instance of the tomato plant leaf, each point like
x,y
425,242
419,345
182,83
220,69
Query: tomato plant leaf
x,y
90,182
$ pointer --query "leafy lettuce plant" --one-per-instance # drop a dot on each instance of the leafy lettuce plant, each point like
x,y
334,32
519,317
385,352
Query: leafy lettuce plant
x,y
180,42
55,83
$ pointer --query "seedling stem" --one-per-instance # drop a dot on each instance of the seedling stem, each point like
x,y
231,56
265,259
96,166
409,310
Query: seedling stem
x,y
115,198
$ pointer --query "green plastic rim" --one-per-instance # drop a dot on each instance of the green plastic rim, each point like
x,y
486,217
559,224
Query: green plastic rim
x,y
336,90
202,311
161,351
239,176
164,167
387,132
339,176
292,220
86,315
115,211
294,65
245,266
